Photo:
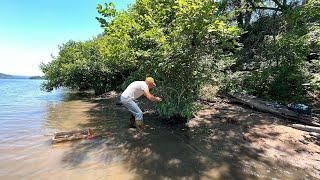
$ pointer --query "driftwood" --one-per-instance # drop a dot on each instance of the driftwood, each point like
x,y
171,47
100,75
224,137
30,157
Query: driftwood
x,y
264,106
306,128
72,135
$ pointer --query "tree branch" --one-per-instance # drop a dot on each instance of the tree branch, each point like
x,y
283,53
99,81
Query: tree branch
x,y
278,4
268,8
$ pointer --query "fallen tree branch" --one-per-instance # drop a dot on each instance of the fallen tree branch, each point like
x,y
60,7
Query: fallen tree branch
x,y
306,128
268,8
73,135
262,106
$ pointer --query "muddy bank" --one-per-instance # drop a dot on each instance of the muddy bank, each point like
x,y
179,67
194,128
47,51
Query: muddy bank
x,y
223,141
266,134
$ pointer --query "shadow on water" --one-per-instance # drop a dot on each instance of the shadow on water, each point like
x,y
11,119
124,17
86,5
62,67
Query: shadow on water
x,y
218,152
76,95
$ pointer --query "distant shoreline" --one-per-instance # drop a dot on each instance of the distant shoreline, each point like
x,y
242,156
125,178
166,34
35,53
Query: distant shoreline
x,y
7,76
26,78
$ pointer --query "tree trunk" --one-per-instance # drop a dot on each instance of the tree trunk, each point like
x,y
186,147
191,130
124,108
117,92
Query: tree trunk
x,y
237,5
304,2
263,106
247,20
306,128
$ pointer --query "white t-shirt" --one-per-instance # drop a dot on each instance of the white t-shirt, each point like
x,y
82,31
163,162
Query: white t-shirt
x,y
135,90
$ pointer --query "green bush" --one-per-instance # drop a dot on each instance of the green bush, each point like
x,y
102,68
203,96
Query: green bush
x,y
178,42
275,62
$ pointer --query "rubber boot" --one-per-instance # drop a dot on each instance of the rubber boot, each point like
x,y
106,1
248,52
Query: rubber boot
x,y
140,126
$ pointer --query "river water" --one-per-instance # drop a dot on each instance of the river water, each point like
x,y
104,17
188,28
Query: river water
x,y
29,117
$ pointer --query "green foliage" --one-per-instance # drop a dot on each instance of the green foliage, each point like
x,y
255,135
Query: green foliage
x,y
275,62
108,12
177,42
81,66
186,44
101,64
277,83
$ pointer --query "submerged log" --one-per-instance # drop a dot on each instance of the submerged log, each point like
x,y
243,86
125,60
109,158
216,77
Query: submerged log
x,y
281,111
306,128
73,135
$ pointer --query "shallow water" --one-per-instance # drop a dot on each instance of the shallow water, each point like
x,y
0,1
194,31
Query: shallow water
x,y
29,116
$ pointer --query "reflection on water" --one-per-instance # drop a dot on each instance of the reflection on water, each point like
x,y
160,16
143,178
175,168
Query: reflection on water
x,y
28,116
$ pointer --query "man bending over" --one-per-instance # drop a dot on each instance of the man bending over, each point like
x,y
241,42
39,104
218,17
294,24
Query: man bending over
x,y
133,92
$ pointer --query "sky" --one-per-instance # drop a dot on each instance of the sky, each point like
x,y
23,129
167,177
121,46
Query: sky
x,y
31,30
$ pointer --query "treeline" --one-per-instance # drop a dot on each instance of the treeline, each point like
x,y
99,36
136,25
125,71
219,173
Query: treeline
x,y
270,51
280,58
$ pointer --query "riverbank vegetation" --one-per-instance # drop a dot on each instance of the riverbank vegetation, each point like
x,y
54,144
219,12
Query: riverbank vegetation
x,y
270,49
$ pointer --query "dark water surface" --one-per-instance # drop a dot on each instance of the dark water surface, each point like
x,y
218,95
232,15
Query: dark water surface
x,y
29,116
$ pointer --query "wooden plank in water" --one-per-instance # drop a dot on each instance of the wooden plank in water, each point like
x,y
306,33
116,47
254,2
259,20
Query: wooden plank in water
x,y
72,135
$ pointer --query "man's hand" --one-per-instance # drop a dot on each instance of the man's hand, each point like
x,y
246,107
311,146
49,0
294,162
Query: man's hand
x,y
158,99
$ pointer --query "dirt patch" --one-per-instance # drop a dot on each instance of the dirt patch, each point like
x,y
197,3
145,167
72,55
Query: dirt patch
x,y
267,134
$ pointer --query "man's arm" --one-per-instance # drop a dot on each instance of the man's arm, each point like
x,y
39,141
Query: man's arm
x,y
149,96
